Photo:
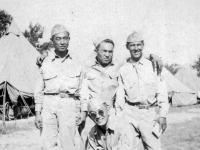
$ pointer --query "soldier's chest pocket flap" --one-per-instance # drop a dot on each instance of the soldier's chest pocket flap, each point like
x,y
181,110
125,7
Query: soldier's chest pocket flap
x,y
73,74
91,76
113,79
49,75
150,80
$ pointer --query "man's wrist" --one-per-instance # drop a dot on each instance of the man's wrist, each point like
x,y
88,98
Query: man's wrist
x,y
38,113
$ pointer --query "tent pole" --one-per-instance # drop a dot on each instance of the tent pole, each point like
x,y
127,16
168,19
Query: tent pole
x,y
4,101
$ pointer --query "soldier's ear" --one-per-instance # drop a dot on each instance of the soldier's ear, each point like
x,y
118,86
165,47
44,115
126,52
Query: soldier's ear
x,y
143,42
127,45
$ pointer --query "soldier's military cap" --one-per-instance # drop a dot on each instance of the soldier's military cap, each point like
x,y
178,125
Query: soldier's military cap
x,y
135,37
100,39
95,102
58,28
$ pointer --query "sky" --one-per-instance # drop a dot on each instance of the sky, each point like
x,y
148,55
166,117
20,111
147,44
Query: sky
x,y
170,28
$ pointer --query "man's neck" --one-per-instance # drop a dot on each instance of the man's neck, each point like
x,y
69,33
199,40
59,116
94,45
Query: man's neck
x,y
104,65
103,129
135,60
62,54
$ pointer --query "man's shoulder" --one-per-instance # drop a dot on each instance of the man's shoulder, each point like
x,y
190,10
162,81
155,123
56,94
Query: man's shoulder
x,y
125,67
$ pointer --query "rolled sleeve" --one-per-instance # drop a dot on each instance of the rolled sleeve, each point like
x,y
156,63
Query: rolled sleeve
x,y
162,97
39,93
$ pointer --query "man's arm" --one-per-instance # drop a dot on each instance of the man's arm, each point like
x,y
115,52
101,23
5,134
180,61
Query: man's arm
x,y
120,97
39,96
84,96
157,62
163,103
40,60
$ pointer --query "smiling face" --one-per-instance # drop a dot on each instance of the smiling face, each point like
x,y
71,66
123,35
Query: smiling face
x,y
100,115
135,49
61,41
105,53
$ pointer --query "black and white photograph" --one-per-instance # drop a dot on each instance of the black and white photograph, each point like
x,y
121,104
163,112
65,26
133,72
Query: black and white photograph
x,y
99,75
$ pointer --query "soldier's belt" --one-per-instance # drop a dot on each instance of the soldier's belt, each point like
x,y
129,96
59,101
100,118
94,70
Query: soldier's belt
x,y
62,95
141,106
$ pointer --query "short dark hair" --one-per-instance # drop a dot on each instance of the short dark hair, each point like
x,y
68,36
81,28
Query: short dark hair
x,y
106,41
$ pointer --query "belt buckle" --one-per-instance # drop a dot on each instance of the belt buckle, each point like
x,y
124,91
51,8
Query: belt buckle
x,y
62,95
143,107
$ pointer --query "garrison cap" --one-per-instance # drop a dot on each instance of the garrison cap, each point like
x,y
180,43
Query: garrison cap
x,y
95,102
101,39
58,28
135,37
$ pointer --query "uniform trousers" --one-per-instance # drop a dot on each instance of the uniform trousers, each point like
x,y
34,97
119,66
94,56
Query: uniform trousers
x,y
143,121
59,118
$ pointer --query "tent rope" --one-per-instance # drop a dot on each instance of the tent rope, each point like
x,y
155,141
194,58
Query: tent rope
x,y
26,105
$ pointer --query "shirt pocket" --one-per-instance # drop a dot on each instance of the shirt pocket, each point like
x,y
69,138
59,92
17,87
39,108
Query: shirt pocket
x,y
129,81
150,85
91,76
50,80
48,76
113,81
72,79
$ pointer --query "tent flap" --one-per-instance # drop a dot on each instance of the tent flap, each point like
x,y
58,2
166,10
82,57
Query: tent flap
x,y
184,99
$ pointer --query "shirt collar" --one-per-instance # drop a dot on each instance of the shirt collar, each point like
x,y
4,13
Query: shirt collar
x,y
141,61
112,123
55,56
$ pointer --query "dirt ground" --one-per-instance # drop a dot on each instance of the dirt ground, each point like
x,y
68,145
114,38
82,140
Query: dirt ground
x,y
182,133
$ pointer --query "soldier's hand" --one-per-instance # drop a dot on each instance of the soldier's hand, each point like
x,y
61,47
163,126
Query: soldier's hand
x,y
38,120
157,63
40,59
163,123
81,118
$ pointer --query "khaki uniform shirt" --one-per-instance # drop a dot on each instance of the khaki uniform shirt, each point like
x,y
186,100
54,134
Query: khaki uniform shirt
x,y
138,83
58,75
98,80
119,135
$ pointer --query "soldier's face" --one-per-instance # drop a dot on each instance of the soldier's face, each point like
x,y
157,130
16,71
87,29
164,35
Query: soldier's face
x,y
105,53
61,41
135,49
100,115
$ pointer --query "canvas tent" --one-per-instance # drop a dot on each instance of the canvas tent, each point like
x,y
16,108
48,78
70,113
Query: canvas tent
x,y
189,78
18,70
179,93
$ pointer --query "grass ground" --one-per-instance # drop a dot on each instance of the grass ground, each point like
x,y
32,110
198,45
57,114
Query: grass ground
x,y
182,133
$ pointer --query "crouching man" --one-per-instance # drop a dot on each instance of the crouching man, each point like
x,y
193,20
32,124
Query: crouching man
x,y
110,132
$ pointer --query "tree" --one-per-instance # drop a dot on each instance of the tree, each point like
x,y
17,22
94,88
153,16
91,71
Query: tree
x,y
33,34
196,66
173,68
5,21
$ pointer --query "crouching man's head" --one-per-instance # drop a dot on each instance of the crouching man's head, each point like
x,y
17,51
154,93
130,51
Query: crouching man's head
x,y
99,111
